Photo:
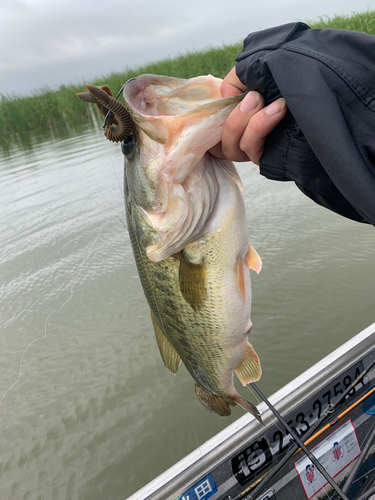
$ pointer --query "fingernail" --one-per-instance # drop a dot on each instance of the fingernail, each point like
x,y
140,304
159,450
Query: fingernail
x,y
250,102
275,107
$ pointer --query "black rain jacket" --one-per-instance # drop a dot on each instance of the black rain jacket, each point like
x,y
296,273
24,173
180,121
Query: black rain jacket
x,y
326,143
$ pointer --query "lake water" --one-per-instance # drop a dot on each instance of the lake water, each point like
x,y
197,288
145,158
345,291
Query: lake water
x,y
87,409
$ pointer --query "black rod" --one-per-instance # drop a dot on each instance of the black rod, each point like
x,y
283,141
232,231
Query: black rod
x,y
300,443
306,436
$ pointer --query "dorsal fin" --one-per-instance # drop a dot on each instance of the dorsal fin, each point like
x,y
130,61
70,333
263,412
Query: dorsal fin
x,y
249,369
168,353
193,282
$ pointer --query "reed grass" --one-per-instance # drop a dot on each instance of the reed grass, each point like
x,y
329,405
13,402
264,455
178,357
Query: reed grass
x,y
59,111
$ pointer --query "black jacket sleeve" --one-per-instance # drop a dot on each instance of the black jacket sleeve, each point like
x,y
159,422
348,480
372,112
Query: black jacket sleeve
x,y
326,143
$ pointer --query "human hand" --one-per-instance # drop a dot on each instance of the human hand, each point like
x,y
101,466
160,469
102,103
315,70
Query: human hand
x,y
249,123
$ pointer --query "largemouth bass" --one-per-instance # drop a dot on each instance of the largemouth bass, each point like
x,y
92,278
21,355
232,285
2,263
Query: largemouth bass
x,y
187,225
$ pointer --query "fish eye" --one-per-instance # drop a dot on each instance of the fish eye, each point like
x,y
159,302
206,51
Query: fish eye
x,y
127,147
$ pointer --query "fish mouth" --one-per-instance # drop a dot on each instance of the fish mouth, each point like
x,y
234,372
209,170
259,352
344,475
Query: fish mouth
x,y
157,103
248,330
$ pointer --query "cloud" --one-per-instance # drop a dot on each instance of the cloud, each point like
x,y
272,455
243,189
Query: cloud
x,y
41,32
73,40
12,5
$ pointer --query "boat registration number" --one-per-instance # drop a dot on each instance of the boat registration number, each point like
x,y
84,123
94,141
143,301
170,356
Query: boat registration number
x,y
259,454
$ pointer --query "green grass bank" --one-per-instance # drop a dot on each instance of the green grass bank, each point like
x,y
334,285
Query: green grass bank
x,y
59,111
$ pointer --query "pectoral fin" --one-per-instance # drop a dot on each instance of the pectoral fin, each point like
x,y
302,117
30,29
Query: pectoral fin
x,y
168,353
240,277
249,369
253,261
214,403
193,282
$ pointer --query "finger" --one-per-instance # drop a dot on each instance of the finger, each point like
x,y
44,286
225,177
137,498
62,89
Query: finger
x,y
259,126
217,151
232,85
236,125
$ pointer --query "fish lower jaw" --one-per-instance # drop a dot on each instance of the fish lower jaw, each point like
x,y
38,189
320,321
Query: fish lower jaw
x,y
248,330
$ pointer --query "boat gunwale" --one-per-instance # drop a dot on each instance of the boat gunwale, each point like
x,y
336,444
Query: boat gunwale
x,y
188,470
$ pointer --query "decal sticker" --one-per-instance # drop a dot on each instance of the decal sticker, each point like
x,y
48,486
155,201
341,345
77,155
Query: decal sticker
x,y
202,490
334,453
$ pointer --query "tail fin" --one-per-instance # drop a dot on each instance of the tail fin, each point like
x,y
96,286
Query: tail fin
x,y
248,406
221,404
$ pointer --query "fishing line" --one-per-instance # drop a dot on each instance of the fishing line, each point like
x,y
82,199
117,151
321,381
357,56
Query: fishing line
x,y
118,182
70,288
325,487
368,489
140,247
368,442
323,478
366,496
122,222
141,250
300,443
311,435
364,475
254,394
110,113
199,446
266,414
114,168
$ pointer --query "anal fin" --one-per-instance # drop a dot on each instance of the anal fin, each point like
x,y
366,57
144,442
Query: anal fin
x,y
214,403
168,353
249,369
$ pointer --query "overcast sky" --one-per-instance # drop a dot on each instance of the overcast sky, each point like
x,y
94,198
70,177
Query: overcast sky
x,y
49,43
